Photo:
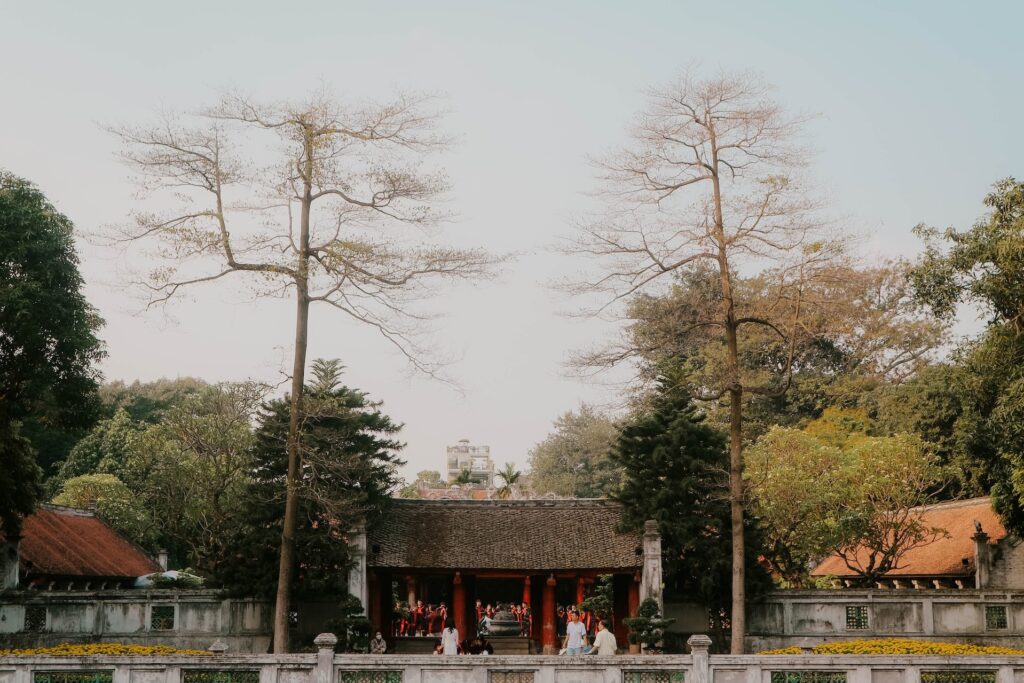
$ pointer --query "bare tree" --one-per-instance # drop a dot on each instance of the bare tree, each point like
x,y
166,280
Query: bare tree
x,y
317,200
709,182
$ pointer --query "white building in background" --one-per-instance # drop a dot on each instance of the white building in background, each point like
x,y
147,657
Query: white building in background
x,y
476,459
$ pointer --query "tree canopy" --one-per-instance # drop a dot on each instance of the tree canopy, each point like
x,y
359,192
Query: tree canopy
x,y
982,266
48,342
575,459
349,469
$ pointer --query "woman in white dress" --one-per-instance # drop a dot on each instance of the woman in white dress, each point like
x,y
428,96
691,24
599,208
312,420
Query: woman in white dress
x,y
450,638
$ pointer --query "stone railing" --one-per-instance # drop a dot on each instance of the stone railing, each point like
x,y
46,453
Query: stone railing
x,y
808,617
327,667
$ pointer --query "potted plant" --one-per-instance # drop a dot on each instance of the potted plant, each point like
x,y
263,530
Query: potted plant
x,y
647,628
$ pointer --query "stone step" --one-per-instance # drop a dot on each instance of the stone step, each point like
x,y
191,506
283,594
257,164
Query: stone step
x,y
503,645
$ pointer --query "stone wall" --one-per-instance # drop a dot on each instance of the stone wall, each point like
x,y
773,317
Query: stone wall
x,y
184,619
326,667
1007,567
806,618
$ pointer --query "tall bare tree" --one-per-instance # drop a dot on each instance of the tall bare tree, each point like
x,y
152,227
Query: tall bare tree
x,y
317,200
710,181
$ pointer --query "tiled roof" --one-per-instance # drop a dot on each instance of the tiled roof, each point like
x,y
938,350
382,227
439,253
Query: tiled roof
x,y
540,535
946,556
66,542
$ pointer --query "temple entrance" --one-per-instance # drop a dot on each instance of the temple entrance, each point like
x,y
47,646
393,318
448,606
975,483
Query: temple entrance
x,y
494,591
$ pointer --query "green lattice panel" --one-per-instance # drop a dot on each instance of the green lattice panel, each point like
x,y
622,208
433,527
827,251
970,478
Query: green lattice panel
x,y
995,617
161,617
856,617
220,676
35,619
510,676
809,677
958,677
73,677
371,676
652,677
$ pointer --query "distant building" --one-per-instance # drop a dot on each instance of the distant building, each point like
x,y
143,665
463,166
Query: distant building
x,y
475,459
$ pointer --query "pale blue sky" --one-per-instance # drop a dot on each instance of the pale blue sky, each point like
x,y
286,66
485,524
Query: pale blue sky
x,y
920,107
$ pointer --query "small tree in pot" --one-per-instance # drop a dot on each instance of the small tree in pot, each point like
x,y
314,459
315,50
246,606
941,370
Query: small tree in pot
x,y
647,628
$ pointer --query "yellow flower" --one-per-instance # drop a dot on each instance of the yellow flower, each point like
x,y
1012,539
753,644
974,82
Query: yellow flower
x,y
896,646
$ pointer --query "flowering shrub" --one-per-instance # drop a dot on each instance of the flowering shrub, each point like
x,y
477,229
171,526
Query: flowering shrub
x,y
896,646
101,649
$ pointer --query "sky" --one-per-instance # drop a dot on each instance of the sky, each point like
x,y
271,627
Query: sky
x,y
918,108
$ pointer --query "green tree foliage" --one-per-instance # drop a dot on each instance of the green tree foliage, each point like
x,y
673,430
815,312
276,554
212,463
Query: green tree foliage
x,y
349,461
834,488
984,266
859,332
113,501
575,459
148,401
676,469
937,405
425,479
48,343
109,449
188,470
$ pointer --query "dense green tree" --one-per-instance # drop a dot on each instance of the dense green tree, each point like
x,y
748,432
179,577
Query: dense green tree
x,y
676,472
349,460
48,343
575,459
836,487
114,502
425,479
983,266
148,401
108,449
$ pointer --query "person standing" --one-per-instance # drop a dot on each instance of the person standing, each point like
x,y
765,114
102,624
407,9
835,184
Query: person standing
x,y
575,635
604,641
450,638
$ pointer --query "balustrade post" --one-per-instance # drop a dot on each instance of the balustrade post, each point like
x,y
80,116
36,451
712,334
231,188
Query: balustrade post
x,y
700,645
325,644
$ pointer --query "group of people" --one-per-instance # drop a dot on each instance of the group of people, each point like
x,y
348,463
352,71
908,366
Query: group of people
x,y
578,638
419,619
580,631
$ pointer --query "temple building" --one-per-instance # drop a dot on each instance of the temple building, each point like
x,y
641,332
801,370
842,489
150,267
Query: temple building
x,y
66,548
544,552
970,549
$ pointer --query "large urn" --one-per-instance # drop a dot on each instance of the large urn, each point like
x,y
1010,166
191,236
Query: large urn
x,y
503,623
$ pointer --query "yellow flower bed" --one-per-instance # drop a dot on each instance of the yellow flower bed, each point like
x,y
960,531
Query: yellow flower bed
x,y
896,646
101,649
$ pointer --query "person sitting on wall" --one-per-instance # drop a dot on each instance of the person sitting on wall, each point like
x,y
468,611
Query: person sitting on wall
x,y
485,647
378,645
604,641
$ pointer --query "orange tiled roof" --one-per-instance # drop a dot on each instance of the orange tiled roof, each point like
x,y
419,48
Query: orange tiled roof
x,y
945,556
59,541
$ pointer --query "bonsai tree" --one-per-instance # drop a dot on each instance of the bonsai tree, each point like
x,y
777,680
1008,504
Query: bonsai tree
x,y
351,626
648,627
601,602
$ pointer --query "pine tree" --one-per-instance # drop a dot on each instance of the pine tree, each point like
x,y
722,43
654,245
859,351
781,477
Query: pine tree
x,y
676,469
349,462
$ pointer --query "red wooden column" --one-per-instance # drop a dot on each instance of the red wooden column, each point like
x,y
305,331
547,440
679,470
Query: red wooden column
x,y
549,633
634,595
459,606
580,590
526,590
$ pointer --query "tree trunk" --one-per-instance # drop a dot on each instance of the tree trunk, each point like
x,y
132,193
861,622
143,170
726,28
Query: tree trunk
x,y
287,563
738,613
